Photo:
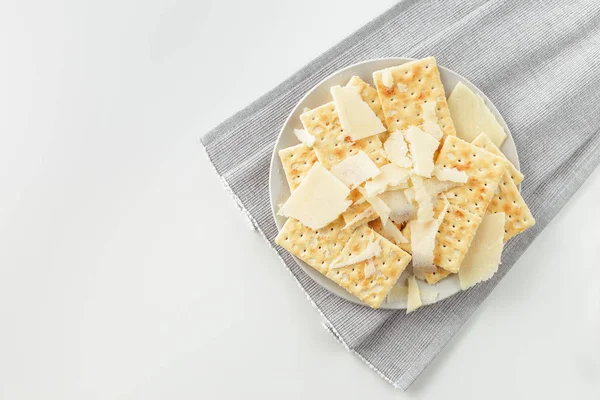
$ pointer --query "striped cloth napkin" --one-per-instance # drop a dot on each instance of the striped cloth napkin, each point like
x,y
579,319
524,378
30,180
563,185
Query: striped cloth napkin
x,y
536,61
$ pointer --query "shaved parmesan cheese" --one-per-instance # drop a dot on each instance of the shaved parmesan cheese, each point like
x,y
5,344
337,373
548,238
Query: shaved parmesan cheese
x,y
450,174
356,220
390,175
390,229
471,116
422,243
422,147
378,205
398,294
483,257
387,78
373,250
396,150
401,209
410,194
356,169
423,199
305,137
414,295
433,129
401,87
435,186
318,200
370,269
356,117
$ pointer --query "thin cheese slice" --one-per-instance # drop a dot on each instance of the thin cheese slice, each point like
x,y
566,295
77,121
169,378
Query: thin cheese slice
x,y
370,269
390,175
319,199
422,243
471,116
423,198
422,148
414,296
401,209
356,117
483,257
396,150
304,137
450,174
378,205
355,169
373,249
391,230
430,121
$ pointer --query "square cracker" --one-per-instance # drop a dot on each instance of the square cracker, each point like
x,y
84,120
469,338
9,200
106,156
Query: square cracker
x,y
370,96
486,143
388,266
509,201
452,241
402,107
483,168
330,145
316,248
297,161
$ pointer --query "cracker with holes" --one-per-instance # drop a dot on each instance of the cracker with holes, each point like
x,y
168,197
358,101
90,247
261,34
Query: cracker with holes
x,y
331,145
509,201
316,248
404,91
380,180
484,171
297,161
486,143
368,266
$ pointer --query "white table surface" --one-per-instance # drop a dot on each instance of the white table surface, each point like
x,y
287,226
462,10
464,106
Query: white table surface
x,y
118,277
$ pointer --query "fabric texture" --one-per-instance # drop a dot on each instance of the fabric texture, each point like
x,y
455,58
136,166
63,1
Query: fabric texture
x,y
537,61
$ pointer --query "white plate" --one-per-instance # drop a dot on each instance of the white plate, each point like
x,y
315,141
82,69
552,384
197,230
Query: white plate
x,y
320,95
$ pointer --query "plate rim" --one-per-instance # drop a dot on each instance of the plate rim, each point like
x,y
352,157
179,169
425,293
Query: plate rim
x,y
274,159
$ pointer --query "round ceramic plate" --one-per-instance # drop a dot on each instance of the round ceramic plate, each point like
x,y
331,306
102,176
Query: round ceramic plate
x,y
320,95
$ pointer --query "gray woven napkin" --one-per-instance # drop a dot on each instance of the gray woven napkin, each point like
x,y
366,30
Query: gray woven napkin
x,y
537,61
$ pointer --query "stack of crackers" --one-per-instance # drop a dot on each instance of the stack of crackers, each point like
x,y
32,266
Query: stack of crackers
x,y
394,187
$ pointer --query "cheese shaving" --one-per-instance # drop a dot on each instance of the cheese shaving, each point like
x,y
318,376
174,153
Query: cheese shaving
x,y
397,151
373,250
390,229
401,209
387,78
352,223
422,148
370,269
389,175
422,243
423,199
318,200
401,87
414,296
378,205
356,169
356,117
483,257
305,137
450,174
